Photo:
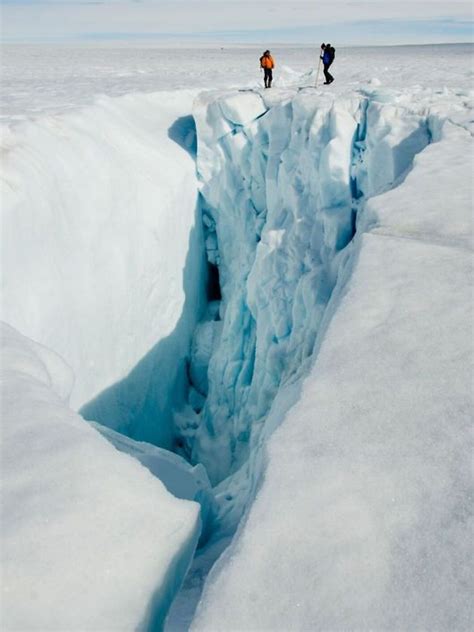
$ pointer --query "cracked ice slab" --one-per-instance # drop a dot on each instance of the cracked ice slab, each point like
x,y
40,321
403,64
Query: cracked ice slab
x,y
180,478
90,539
242,108
443,193
363,519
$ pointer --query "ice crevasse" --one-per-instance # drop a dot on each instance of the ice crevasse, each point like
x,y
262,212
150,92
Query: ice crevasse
x,y
322,386
282,184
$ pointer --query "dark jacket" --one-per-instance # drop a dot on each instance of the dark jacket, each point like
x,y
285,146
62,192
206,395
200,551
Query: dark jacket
x,y
328,55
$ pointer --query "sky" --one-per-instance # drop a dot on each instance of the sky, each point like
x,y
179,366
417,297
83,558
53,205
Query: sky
x,y
349,22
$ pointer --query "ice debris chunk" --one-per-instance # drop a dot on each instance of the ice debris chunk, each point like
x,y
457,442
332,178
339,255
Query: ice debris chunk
x,y
179,477
91,540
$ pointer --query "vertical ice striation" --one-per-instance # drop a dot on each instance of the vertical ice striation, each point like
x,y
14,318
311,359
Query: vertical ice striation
x,y
281,184
260,203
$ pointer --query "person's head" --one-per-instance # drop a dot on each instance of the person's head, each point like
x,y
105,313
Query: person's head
x,y
328,45
323,46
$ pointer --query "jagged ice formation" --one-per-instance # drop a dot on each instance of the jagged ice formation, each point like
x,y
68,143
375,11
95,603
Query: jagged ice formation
x,y
290,183
282,185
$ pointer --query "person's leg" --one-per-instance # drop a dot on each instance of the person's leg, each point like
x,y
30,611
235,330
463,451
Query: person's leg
x,y
270,77
330,77
326,73
265,77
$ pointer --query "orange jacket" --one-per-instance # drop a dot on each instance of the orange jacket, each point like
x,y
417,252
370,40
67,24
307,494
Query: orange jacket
x,y
266,61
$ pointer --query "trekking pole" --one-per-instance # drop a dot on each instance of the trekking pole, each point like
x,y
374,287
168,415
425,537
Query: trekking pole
x,y
319,68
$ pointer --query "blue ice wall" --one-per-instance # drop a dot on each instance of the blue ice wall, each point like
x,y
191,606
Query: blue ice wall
x,y
281,186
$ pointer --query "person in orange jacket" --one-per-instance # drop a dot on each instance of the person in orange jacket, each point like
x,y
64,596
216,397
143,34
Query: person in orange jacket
x,y
267,63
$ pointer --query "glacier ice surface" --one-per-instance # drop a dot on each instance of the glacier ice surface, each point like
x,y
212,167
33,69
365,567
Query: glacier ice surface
x,y
285,179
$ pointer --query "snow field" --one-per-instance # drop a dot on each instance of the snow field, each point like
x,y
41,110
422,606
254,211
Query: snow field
x,y
54,78
90,539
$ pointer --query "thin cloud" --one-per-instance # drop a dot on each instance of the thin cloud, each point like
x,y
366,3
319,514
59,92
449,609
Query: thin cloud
x,y
214,19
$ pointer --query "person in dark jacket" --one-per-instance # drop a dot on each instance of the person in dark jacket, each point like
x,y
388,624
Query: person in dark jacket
x,y
329,52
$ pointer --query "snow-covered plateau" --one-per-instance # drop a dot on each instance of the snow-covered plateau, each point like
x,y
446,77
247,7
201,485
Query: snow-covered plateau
x,y
237,378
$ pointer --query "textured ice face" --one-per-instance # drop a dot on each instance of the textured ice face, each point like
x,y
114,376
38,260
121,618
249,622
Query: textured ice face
x,y
280,198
